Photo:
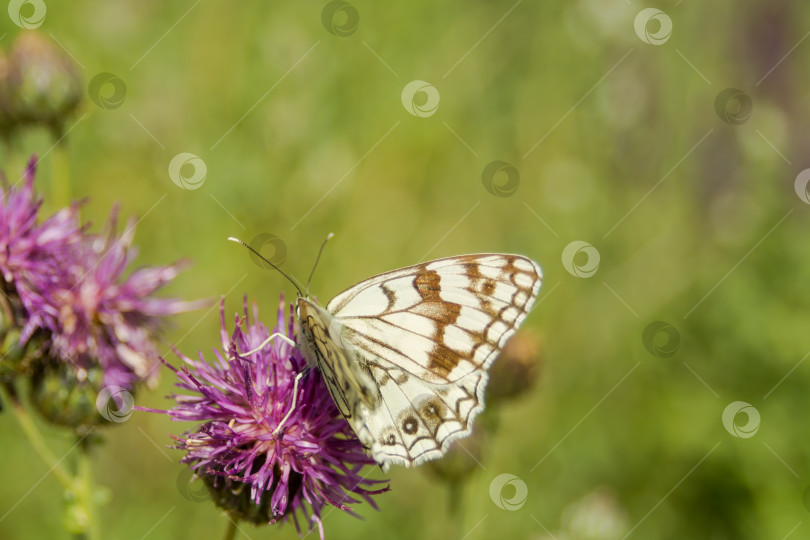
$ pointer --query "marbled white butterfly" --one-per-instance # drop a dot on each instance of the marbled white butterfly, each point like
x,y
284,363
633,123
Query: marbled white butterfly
x,y
405,354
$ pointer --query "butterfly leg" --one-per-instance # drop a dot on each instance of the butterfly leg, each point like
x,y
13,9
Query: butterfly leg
x,y
268,340
294,401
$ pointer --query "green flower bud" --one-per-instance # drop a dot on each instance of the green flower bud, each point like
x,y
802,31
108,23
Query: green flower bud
x,y
67,396
16,358
19,359
45,81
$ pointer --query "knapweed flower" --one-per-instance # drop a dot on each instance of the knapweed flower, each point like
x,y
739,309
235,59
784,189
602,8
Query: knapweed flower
x,y
98,313
30,252
73,291
253,470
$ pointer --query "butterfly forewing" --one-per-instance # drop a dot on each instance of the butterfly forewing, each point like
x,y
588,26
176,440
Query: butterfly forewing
x,y
405,353
440,320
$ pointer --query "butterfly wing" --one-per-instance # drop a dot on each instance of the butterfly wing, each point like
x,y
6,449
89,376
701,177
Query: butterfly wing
x,y
416,420
440,320
426,335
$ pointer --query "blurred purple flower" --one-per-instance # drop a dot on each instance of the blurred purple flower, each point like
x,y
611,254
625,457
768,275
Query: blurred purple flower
x,y
75,287
102,315
314,460
30,251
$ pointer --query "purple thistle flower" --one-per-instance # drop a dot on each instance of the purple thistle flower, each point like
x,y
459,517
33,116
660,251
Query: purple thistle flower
x,y
29,251
314,460
102,315
74,287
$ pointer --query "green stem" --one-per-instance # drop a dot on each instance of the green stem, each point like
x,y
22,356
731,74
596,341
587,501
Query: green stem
x,y
60,179
13,164
455,493
81,486
86,491
35,438
230,532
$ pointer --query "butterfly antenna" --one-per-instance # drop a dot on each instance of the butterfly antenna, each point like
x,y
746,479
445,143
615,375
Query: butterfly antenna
x,y
318,258
262,257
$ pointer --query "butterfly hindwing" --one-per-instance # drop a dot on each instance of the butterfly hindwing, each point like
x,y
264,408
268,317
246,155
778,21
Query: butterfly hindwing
x,y
417,420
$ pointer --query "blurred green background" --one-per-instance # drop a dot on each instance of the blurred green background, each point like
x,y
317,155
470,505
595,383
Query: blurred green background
x,y
618,138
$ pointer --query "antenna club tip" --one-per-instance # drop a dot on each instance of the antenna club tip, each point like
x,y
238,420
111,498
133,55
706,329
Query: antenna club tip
x,y
234,239
330,236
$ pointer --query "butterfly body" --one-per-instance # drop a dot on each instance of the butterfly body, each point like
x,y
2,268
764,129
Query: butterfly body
x,y
405,354
342,370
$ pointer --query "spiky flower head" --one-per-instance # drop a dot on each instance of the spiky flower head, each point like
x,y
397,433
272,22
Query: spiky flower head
x,y
29,253
72,293
254,470
100,312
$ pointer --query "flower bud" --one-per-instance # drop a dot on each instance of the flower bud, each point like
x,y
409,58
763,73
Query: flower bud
x,y
16,358
19,359
517,368
45,81
66,395
463,457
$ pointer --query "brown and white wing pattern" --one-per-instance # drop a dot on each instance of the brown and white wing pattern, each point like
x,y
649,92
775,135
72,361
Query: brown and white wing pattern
x,y
440,320
425,335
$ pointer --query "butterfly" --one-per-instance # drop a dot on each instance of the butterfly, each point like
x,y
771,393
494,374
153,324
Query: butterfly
x,y
405,353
